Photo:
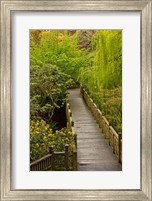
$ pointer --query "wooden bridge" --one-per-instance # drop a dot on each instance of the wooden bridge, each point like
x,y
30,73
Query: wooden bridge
x,y
97,145
93,150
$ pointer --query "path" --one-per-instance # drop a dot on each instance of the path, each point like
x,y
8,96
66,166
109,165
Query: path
x,y
93,151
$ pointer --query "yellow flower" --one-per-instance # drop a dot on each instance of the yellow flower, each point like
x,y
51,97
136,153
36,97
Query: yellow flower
x,y
42,122
37,144
46,128
44,137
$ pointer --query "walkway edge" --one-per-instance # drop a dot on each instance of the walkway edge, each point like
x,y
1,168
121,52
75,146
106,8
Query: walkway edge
x,y
114,138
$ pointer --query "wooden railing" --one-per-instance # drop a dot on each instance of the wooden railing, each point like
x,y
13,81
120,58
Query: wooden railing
x,y
48,161
70,126
114,138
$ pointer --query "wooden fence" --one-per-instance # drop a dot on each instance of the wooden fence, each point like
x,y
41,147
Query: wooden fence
x,y
70,126
114,138
48,161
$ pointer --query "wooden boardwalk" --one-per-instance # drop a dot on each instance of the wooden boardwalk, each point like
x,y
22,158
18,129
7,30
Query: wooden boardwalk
x,y
93,151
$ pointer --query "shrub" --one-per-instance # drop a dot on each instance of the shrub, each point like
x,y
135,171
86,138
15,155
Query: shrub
x,y
110,103
48,90
42,137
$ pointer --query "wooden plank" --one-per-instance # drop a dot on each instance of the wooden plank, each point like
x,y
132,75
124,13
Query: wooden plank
x,y
93,151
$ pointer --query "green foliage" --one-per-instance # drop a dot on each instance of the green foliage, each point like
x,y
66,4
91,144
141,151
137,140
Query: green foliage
x,y
93,58
103,79
48,90
42,137
58,48
106,71
110,103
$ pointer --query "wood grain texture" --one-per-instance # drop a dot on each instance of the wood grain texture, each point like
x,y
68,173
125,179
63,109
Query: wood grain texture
x,y
94,153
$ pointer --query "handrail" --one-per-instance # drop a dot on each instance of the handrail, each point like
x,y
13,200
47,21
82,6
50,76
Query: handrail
x,y
114,138
70,122
48,160
41,159
70,126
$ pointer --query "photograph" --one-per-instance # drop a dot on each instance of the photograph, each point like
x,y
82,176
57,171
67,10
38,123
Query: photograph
x,y
75,100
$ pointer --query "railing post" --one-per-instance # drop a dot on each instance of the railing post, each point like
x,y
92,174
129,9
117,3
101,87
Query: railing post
x,y
109,135
75,160
119,144
52,157
72,123
113,142
66,156
75,140
70,114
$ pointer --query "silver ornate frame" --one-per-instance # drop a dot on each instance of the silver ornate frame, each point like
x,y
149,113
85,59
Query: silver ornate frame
x,y
145,8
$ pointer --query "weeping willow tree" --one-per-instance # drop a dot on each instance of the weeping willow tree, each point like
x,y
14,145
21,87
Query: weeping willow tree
x,y
106,72
103,79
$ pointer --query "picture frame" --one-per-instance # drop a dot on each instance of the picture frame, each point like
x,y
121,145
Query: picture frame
x,y
145,192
